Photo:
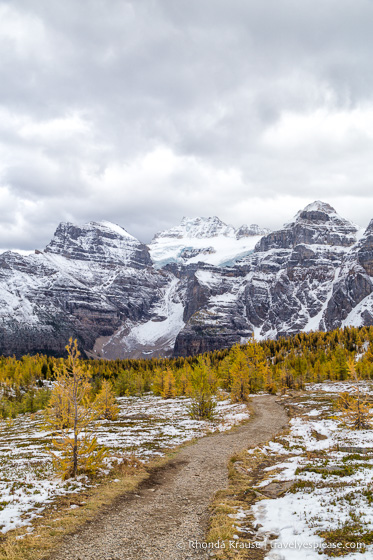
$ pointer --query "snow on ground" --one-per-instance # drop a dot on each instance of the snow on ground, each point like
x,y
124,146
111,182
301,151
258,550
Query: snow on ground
x,y
146,427
333,387
334,484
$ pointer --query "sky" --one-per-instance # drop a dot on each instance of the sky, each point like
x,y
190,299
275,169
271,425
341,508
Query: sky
x,y
142,112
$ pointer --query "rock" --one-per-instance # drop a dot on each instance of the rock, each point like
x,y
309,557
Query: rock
x,y
318,436
185,294
276,489
318,223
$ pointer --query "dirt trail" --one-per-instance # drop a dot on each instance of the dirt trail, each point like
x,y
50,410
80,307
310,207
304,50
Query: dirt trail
x,y
171,509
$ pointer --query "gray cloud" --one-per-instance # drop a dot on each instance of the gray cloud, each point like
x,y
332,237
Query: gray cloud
x,y
144,111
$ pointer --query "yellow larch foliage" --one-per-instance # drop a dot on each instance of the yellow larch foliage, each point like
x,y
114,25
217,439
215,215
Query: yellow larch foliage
x,y
70,414
169,385
354,406
105,404
240,377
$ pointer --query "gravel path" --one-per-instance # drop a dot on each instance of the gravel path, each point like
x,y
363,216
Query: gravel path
x,y
171,508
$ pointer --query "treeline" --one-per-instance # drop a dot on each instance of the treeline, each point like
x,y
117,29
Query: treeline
x,y
269,365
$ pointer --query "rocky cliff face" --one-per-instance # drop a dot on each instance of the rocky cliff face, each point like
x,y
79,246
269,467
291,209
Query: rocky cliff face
x,y
351,302
312,274
318,224
86,284
101,242
200,286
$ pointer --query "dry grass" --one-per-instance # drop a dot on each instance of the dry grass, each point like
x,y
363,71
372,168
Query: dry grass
x,y
59,520
244,470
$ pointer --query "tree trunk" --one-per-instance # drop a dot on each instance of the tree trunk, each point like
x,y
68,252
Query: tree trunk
x,y
75,449
75,456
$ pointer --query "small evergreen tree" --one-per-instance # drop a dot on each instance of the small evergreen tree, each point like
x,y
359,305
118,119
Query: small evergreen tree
x,y
69,414
169,385
105,402
203,386
355,409
239,371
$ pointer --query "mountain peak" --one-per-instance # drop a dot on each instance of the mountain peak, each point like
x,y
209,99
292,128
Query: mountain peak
x,y
111,227
198,228
250,231
187,221
319,206
102,242
212,226
321,213
317,224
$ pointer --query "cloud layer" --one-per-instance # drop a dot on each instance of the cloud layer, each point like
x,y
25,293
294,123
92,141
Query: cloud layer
x,y
143,111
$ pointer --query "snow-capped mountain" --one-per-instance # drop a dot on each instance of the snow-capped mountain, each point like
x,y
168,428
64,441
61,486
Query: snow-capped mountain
x,y
317,224
307,276
101,242
207,240
199,286
87,283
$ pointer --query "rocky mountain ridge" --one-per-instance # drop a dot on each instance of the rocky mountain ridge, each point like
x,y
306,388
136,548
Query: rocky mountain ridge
x,y
199,286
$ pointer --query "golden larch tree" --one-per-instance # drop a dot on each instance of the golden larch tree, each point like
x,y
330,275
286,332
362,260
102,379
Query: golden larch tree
x,y
70,414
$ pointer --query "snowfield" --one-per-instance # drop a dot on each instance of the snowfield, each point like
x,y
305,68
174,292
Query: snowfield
x,y
207,240
218,251
146,427
153,336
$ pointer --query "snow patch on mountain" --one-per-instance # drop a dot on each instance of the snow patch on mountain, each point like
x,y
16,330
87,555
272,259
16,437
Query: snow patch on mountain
x,y
155,337
315,322
23,252
207,240
356,316
165,326
117,229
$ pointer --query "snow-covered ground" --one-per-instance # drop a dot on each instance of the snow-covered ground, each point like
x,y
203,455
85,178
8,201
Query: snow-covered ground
x,y
333,387
146,427
334,484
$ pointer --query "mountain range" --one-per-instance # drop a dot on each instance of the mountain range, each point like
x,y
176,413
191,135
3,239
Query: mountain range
x,y
196,287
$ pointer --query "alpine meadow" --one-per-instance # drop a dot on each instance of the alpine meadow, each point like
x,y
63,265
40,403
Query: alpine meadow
x,y
186,280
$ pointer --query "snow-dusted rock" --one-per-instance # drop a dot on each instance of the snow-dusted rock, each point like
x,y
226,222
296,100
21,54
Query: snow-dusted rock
x,y
248,231
312,274
101,242
87,283
317,224
199,286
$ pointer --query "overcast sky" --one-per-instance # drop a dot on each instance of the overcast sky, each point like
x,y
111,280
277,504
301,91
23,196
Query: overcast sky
x,y
143,111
